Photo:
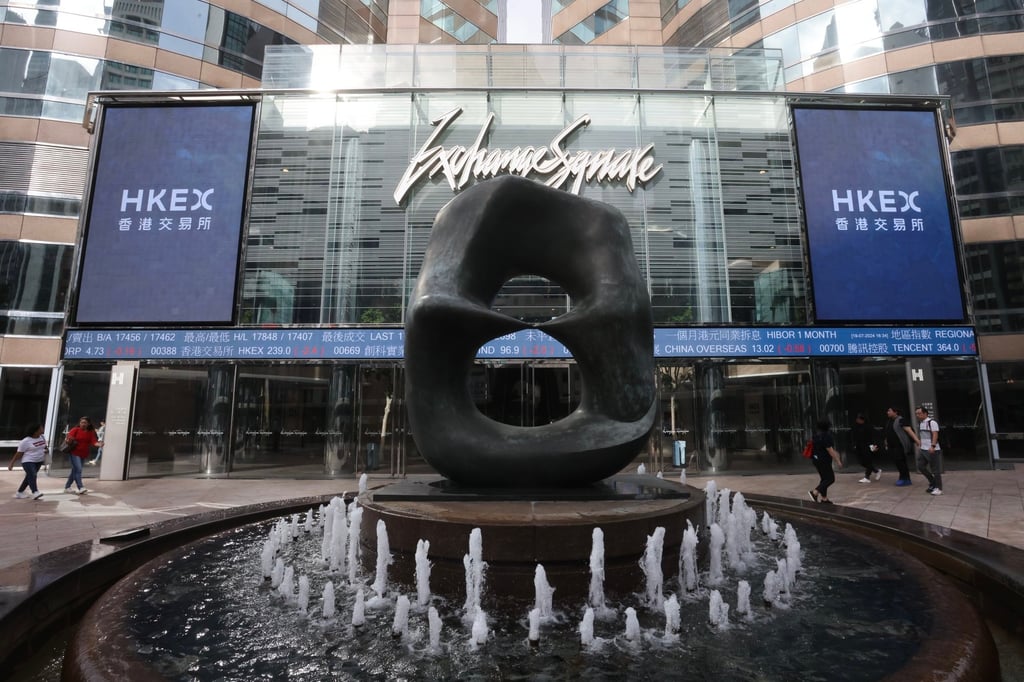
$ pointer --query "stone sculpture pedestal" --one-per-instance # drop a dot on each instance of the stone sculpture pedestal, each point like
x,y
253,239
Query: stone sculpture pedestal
x,y
521,529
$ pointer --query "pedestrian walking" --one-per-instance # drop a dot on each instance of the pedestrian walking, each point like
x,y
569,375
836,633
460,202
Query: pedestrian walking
x,y
80,440
929,455
899,443
32,450
823,455
862,435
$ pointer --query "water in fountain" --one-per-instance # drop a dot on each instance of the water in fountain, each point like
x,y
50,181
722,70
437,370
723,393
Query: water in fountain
x,y
723,507
355,522
718,611
368,651
533,619
792,551
743,598
329,603
671,616
769,527
641,470
688,559
434,628
302,601
543,594
359,609
400,624
422,573
596,596
480,632
785,582
277,573
710,502
475,568
632,625
287,586
587,628
363,481
338,538
772,589
308,525
380,581
267,556
715,575
651,566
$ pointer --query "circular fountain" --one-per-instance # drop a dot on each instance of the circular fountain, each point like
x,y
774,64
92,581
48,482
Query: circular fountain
x,y
765,605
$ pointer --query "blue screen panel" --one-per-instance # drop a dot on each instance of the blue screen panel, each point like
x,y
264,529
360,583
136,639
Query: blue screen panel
x,y
164,224
879,229
367,343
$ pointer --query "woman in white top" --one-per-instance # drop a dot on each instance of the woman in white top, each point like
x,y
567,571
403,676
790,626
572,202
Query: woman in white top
x,y
32,449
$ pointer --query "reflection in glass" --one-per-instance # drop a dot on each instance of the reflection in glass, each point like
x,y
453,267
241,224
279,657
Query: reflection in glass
x,y
34,282
24,394
167,420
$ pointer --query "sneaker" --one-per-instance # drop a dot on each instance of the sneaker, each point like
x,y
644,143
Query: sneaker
x,y
936,491
903,482
69,491
20,496
82,491
37,495
877,475
814,495
864,480
91,462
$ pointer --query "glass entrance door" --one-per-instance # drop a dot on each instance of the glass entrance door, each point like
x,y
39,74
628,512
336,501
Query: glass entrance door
x,y
383,438
526,394
279,420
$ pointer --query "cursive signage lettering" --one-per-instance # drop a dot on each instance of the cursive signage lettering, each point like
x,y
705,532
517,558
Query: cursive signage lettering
x,y
554,163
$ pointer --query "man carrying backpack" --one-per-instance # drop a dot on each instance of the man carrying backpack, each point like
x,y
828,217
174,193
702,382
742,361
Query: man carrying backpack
x,y
929,456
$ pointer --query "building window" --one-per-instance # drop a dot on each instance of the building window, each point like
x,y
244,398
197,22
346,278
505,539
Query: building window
x,y
997,285
596,24
33,287
454,24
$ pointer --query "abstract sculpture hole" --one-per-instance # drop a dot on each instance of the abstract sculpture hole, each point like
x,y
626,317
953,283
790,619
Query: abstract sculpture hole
x,y
532,298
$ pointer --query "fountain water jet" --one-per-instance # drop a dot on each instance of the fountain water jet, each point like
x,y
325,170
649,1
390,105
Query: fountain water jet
x,y
422,573
543,602
400,623
328,599
587,628
651,565
671,616
434,629
380,582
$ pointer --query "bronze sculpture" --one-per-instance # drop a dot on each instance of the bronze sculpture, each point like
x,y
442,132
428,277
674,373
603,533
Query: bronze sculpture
x,y
490,233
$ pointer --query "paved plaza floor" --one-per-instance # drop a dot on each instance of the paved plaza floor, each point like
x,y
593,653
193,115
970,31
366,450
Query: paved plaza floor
x,y
987,503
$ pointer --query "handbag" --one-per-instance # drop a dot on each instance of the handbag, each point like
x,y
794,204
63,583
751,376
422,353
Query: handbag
x,y
68,445
808,449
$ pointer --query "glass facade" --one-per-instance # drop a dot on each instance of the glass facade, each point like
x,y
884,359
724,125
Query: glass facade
x,y
202,30
598,23
851,30
332,243
459,29
34,281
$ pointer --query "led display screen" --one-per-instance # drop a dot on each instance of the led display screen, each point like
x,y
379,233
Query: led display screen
x,y
879,228
165,219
